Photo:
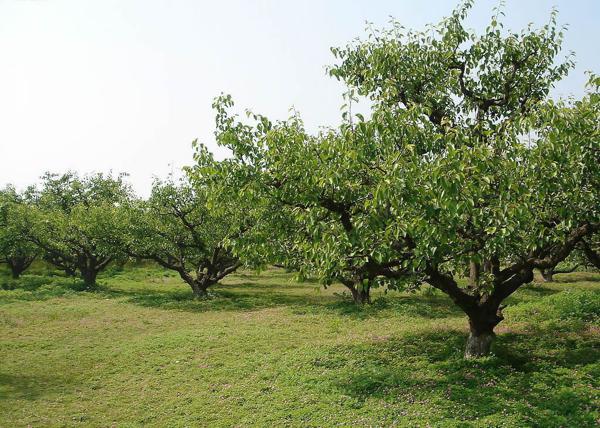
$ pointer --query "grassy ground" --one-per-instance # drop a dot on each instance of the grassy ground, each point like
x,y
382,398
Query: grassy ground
x,y
266,351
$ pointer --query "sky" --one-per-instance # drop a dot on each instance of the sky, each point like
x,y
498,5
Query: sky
x,y
126,85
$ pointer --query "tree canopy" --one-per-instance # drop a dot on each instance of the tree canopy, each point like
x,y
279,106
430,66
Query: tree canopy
x,y
465,167
74,222
179,229
15,250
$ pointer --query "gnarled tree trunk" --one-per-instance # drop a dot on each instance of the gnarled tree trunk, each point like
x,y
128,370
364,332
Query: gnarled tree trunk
x,y
16,272
483,309
548,273
199,292
200,286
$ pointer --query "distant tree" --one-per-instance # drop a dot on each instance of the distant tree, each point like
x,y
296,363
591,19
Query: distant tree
x,y
491,179
548,273
74,222
586,254
15,250
178,229
591,250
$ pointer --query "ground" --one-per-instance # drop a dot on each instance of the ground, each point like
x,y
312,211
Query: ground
x,y
265,350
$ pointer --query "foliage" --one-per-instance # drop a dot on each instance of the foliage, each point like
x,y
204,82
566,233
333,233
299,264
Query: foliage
x,y
316,192
177,228
498,179
15,250
466,167
75,220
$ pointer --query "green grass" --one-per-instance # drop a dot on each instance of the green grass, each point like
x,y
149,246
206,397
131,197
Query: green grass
x,y
267,351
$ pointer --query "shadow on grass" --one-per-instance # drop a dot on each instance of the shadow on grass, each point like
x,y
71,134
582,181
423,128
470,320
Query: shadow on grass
x,y
543,378
20,387
39,287
247,293
300,298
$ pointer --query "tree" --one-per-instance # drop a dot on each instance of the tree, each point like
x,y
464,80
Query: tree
x,y
74,222
15,250
501,179
178,229
316,190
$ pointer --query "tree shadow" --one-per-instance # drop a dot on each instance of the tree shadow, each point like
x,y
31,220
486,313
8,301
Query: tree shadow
x,y
22,387
528,373
301,298
32,287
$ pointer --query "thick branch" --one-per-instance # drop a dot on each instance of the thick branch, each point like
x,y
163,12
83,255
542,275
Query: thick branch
x,y
592,256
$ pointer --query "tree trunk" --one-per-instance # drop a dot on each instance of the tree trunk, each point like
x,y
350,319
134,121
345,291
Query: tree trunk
x,y
360,294
15,271
481,335
592,255
547,274
89,278
18,265
479,343
199,290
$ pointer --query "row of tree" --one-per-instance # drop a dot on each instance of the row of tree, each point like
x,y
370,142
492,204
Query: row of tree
x,y
82,224
466,168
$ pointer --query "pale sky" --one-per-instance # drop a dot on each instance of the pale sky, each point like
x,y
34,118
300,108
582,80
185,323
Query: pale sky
x,y
126,85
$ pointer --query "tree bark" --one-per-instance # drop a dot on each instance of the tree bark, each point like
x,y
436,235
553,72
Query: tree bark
x,y
89,278
592,255
199,292
483,309
479,343
360,294
482,321
200,287
474,271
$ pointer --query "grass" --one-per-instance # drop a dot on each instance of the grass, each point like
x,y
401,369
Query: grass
x,y
267,351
